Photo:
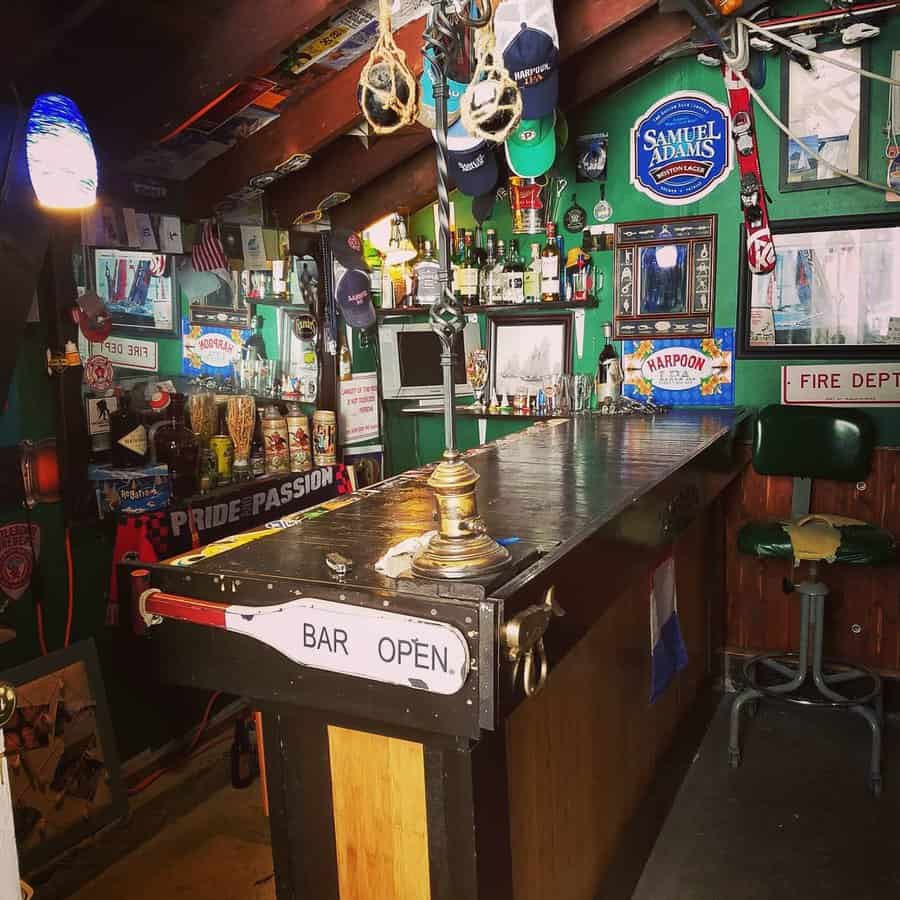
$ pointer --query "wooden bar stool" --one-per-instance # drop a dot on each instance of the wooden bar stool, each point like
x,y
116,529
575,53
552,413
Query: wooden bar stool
x,y
809,442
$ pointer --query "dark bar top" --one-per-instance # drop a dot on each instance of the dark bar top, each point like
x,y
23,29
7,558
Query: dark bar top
x,y
548,487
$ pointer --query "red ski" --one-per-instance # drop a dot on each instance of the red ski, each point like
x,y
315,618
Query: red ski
x,y
760,246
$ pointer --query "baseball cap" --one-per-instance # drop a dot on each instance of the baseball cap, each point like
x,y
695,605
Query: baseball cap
x,y
531,148
427,112
472,163
355,300
527,36
347,248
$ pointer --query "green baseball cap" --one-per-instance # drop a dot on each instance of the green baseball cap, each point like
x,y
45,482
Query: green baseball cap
x,y
531,148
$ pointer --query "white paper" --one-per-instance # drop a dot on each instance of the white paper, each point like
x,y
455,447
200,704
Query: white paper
x,y
254,247
170,234
359,408
145,232
579,332
132,232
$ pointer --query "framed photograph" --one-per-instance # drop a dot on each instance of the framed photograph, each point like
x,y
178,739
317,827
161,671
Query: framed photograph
x,y
140,290
827,108
527,351
833,293
665,278
63,767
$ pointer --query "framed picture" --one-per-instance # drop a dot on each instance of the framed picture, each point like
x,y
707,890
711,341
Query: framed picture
x,y
527,351
140,290
665,278
63,768
832,294
827,108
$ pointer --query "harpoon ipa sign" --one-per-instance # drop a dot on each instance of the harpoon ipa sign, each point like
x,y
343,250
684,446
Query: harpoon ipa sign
x,y
681,148
863,384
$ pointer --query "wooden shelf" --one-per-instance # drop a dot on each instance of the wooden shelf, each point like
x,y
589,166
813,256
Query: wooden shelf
x,y
497,307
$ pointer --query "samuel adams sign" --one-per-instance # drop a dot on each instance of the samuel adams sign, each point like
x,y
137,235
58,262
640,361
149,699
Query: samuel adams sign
x,y
681,148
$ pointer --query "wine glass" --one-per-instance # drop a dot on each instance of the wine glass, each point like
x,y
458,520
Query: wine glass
x,y
477,374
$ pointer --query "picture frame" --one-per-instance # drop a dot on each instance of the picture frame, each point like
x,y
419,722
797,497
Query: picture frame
x,y
832,294
140,289
665,278
818,106
526,351
64,771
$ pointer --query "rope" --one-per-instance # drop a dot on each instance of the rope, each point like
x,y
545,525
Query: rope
x,y
784,128
778,39
384,72
491,107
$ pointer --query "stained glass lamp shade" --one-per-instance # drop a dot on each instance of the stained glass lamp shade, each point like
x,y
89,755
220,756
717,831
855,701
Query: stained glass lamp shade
x,y
61,161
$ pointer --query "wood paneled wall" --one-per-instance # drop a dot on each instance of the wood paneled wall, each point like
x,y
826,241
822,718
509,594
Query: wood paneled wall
x,y
760,617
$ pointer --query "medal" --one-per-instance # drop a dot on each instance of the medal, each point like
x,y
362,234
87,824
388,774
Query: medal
x,y
603,208
575,217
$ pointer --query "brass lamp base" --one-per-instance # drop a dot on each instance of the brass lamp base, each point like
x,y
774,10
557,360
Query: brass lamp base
x,y
461,548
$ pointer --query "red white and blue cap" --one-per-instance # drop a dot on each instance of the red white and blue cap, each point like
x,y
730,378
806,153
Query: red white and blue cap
x,y
472,161
527,37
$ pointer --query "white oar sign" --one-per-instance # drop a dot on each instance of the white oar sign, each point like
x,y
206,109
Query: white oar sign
x,y
352,640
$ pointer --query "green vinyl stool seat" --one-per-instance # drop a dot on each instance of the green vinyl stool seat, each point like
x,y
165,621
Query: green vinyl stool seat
x,y
860,544
809,442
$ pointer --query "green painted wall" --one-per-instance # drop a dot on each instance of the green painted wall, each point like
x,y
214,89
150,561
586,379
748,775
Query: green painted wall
x,y
757,381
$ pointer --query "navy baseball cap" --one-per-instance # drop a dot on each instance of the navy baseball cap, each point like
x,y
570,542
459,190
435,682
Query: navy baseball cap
x,y
355,299
527,37
347,248
472,162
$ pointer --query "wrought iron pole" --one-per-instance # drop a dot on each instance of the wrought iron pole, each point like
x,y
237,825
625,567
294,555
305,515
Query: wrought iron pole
x,y
446,316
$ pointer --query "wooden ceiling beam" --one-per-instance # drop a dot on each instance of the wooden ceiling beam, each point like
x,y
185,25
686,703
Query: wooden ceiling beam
x,y
331,110
620,57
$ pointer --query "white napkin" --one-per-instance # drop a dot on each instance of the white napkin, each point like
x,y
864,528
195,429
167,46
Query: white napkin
x,y
398,560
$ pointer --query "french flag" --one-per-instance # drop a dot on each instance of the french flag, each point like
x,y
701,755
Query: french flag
x,y
667,650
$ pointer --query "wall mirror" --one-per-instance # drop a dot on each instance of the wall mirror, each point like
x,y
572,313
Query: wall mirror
x,y
833,292
827,109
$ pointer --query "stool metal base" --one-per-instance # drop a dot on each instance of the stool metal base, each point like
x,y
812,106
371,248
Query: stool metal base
x,y
821,680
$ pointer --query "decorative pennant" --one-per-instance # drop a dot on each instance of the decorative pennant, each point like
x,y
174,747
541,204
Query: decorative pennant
x,y
579,332
482,431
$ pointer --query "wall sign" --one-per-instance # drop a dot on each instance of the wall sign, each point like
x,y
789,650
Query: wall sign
x,y
681,373
128,353
211,351
681,148
866,384
16,557
665,278
359,408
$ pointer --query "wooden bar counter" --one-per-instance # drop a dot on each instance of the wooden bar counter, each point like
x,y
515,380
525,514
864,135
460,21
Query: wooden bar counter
x,y
382,788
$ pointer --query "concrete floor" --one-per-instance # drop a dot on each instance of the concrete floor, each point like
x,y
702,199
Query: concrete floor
x,y
217,851
794,822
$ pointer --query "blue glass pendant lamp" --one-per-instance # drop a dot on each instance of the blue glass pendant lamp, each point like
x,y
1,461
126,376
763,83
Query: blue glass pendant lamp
x,y
61,160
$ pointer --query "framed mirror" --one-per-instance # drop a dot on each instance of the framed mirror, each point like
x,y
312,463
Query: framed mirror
x,y
833,292
827,109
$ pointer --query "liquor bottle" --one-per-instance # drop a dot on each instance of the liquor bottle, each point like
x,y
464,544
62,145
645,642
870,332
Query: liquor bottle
x,y
179,448
607,381
457,262
257,448
514,270
498,286
468,275
345,363
127,435
427,271
492,275
533,276
479,252
550,267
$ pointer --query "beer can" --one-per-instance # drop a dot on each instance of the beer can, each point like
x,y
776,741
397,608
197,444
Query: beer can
x,y
324,438
299,445
223,448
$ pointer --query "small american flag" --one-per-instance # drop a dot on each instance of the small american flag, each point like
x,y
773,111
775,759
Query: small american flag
x,y
208,253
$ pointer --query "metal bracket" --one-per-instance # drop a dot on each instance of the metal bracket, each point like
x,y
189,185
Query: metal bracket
x,y
150,619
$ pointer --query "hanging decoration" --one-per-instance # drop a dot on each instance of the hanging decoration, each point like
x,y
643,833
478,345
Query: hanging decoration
x,y
491,107
387,88
62,165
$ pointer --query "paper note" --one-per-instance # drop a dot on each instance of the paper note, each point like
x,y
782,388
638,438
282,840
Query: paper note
x,y
145,232
254,247
170,234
